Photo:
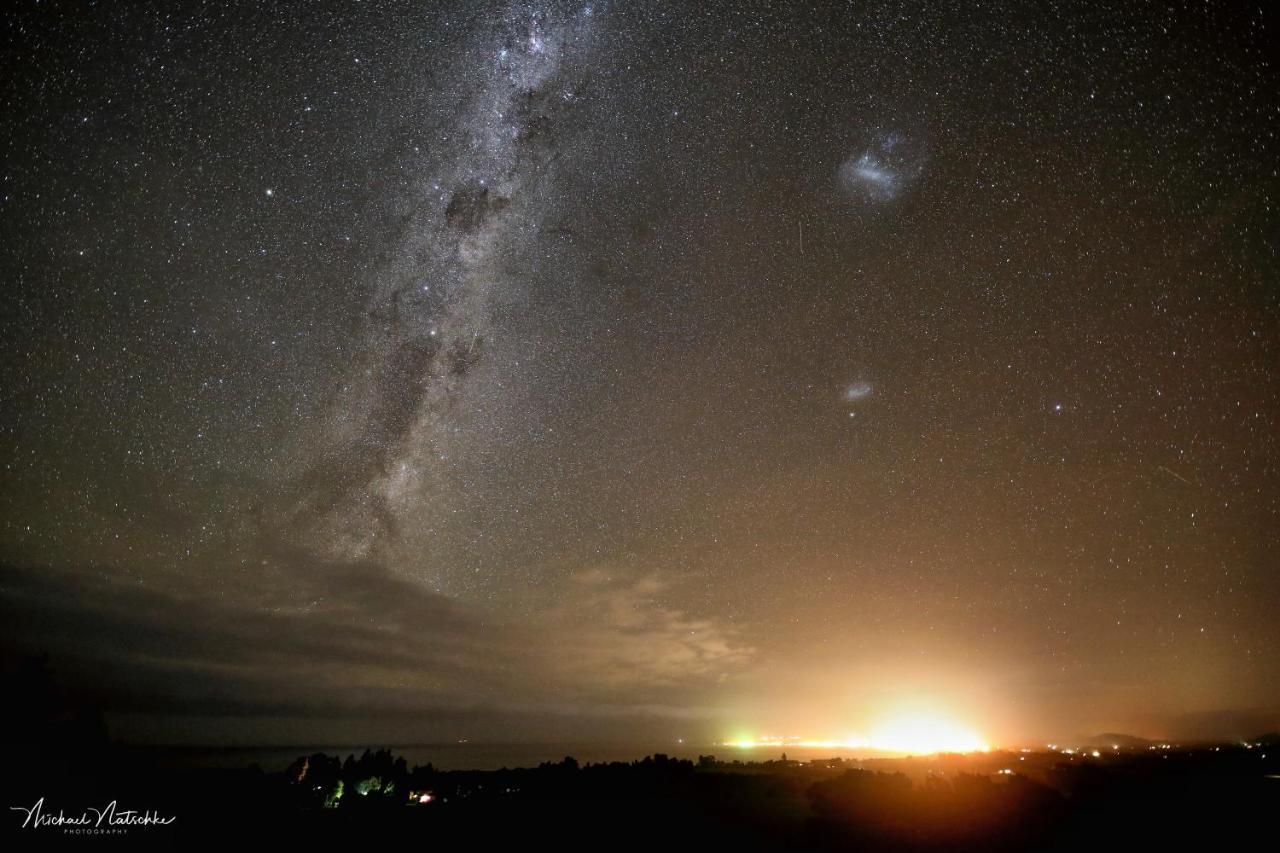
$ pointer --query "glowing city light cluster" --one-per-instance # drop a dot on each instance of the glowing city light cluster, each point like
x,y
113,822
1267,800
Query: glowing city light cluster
x,y
911,734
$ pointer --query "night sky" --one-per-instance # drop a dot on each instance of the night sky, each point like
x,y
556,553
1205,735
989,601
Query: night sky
x,y
413,371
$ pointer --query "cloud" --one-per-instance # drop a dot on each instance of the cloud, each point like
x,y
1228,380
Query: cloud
x,y
354,638
625,638
324,639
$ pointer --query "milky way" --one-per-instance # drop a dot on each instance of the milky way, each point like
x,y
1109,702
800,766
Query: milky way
x,y
479,207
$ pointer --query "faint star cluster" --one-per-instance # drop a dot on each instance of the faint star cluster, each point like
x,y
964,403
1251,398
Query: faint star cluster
x,y
858,391
883,171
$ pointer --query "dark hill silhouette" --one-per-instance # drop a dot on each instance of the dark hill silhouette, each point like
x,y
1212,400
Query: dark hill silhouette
x,y
1219,798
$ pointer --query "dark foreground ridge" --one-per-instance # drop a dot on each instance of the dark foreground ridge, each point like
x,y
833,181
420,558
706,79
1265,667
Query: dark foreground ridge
x,y
1210,797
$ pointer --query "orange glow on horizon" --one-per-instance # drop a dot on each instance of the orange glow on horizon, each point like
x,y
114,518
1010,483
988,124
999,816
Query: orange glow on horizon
x,y
917,733
924,734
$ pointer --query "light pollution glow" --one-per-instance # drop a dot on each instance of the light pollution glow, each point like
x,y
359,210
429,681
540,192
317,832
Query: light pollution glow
x,y
911,734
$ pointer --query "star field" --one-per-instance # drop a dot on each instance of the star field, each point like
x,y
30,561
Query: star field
x,y
639,363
